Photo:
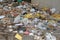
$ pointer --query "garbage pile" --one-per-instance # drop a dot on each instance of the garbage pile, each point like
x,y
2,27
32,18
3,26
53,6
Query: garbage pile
x,y
28,20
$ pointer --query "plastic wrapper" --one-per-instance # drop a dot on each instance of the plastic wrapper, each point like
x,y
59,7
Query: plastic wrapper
x,y
28,16
56,16
5,20
45,8
52,22
36,20
19,6
38,37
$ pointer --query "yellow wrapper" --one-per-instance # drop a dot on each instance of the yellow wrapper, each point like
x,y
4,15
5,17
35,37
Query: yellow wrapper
x,y
28,16
56,16
19,37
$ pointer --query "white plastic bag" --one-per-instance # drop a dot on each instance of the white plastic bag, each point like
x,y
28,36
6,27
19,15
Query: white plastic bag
x,y
25,21
32,10
41,25
1,0
2,16
53,10
50,37
19,6
17,19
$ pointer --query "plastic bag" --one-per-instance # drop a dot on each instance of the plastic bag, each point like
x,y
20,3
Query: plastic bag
x,y
17,19
1,0
50,37
41,25
53,10
32,10
2,16
25,21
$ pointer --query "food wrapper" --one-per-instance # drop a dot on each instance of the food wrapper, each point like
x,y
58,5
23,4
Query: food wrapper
x,y
28,16
56,16
19,37
37,15
5,20
45,8
43,16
